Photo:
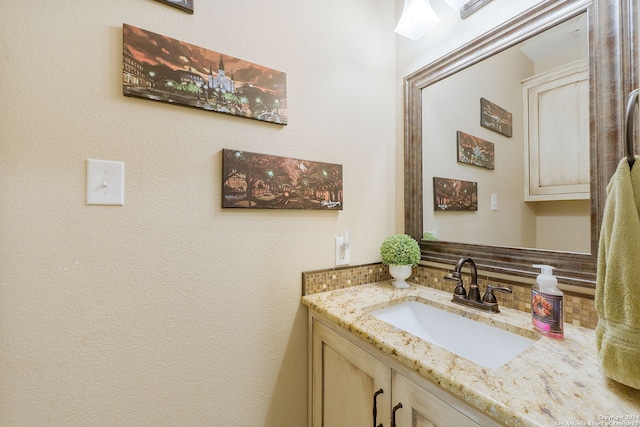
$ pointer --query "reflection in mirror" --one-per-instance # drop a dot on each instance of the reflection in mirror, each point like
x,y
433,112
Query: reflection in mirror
x,y
532,181
611,76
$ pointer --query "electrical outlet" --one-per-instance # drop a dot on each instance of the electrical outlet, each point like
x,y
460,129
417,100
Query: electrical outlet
x,y
342,251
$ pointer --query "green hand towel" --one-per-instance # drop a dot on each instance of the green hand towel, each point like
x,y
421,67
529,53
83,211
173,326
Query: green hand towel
x,y
618,278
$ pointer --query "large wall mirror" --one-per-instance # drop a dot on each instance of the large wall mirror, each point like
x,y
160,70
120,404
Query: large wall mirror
x,y
494,169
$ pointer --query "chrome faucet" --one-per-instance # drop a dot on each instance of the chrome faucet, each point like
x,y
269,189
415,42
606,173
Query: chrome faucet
x,y
472,299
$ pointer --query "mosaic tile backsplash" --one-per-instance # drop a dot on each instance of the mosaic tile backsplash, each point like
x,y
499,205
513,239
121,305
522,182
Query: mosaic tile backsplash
x,y
578,309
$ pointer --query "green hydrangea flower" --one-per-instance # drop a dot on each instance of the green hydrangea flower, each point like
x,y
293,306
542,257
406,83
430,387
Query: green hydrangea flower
x,y
400,249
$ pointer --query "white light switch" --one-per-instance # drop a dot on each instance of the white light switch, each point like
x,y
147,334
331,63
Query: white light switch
x,y
494,202
105,182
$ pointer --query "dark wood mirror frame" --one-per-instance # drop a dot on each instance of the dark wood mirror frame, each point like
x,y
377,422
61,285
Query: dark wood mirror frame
x,y
612,53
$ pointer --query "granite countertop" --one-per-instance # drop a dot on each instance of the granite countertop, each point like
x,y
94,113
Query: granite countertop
x,y
552,383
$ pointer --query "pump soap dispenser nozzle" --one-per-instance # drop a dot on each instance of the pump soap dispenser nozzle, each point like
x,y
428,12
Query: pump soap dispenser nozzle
x,y
546,279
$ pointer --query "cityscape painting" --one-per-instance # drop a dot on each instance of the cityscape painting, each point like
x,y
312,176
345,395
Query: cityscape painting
x,y
186,5
495,118
454,195
163,69
260,181
475,151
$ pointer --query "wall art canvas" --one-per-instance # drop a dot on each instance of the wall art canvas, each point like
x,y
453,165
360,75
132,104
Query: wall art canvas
x,y
495,118
475,151
471,7
454,195
186,5
261,181
160,68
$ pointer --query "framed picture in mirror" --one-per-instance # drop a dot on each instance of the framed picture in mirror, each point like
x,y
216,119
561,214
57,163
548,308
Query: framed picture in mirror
x,y
475,151
454,195
495,118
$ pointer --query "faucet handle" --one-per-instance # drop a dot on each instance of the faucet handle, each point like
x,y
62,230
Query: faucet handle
x,y
490,298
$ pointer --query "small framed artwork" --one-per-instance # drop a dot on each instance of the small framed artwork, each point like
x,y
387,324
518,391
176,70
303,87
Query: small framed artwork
x,y
185,5
454,195
475,151
262,181
495,118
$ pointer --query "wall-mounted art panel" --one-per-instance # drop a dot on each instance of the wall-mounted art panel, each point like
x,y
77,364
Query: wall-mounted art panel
x,y
186,5
163,69
475,151
471,7
454,195
495,118
261,181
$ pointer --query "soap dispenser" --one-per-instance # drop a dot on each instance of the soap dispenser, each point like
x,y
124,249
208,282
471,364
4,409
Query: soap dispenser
x,y
547,304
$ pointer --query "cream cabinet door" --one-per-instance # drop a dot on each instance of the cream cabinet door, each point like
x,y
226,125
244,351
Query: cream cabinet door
x,y
349,385
413,406
556,133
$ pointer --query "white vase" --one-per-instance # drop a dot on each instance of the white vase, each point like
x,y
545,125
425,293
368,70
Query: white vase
x,y
400,273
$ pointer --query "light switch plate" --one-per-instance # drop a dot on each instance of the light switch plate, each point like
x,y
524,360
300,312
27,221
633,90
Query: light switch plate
x,y
105,182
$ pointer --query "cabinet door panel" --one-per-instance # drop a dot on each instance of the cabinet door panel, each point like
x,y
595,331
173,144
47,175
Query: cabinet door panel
x,y
422,409
419,421
556,125
345,379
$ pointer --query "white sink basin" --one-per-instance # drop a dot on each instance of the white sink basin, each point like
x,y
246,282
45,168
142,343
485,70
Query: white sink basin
x,y
485,345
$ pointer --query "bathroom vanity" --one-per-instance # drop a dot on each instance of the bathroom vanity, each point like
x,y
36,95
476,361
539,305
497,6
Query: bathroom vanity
x,y
346,376
360,366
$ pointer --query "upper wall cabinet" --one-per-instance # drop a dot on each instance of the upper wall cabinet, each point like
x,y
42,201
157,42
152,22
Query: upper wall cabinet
x,y
556,133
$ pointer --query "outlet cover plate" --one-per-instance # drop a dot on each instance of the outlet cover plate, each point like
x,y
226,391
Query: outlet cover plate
x,y
343,253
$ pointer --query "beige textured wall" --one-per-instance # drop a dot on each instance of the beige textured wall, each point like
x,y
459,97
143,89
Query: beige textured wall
x,y
170,311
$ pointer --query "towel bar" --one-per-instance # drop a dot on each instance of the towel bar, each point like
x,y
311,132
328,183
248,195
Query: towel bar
x,y
631,106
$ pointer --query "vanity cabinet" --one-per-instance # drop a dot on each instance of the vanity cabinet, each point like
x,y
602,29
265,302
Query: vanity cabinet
x,y
352,386
349,386
422,409
556,134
